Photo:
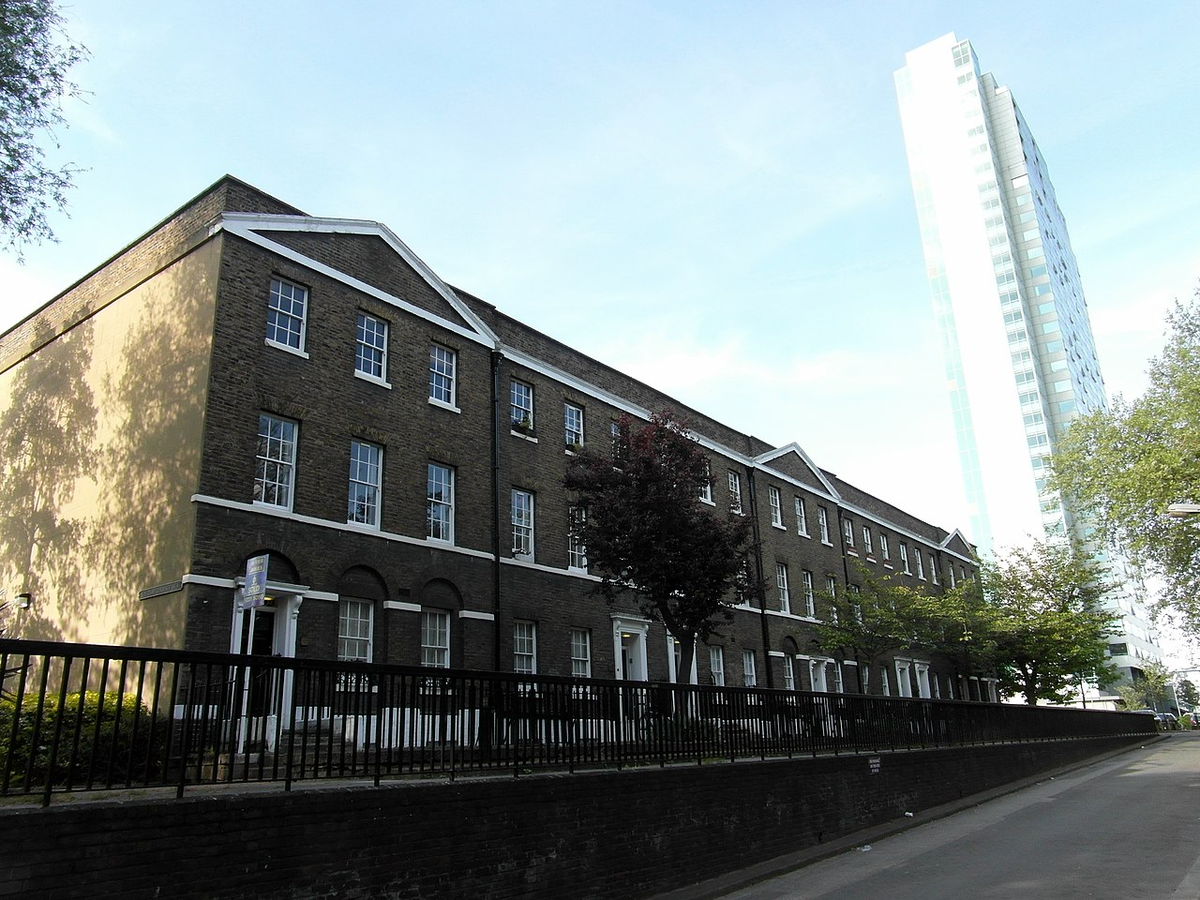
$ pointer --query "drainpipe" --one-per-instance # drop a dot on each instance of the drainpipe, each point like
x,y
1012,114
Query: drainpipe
x,y
841,539
497,357
758,564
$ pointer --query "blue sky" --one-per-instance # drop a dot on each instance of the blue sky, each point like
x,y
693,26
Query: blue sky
x,y
713,197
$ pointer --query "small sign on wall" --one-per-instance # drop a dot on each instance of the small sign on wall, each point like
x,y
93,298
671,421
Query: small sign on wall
x,y
255,591
159,591
873,765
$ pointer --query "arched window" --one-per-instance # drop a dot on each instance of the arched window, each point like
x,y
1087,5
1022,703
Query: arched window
x,y
360,590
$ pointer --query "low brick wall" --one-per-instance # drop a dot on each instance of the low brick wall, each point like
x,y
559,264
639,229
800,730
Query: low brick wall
x,y
602,835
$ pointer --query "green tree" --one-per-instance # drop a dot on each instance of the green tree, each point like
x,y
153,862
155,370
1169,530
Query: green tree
x,y
1186,691
639,516
1127,465
1151,689
1048,627
874,619
962,627
35,55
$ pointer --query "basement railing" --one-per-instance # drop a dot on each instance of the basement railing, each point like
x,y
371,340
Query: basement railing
x,y
82,717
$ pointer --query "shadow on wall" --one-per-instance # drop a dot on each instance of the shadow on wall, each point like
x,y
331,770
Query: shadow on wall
x,y
47,444
99,457
152,400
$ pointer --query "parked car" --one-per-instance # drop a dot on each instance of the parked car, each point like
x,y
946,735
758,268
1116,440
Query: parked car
x,y
1161,720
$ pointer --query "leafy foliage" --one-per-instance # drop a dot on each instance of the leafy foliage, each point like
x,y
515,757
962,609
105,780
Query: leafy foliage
x,y
645,530
34,58
1047,625
114,740
962,626
1129,464
1151,689
1186,691
883,616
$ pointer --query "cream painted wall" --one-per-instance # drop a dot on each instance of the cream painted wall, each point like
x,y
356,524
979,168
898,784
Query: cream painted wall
x,y
100,441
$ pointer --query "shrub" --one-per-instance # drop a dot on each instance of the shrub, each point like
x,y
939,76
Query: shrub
x,y
102,741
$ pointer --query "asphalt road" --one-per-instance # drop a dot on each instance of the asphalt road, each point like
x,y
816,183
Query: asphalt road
x,y
1125,828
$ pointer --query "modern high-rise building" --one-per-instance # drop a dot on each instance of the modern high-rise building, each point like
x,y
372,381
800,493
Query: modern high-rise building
x,y
1013,323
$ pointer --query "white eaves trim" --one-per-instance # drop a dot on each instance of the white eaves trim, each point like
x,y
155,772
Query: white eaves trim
x,y
590,390
793,447
246,226
950,537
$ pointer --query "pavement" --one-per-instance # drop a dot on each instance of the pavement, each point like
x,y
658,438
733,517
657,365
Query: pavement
x,y
764,874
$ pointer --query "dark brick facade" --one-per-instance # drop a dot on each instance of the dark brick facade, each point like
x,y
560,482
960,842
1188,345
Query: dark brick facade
x,y
317,558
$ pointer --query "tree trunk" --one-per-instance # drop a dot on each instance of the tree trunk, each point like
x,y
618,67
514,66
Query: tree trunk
x,y
1031,689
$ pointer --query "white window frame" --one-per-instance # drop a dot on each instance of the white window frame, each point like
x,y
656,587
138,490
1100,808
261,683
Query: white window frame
x,y
933,569
521,509
706,488
925,690
581,653
716,665
801,518
435,638
443,376
365,484
776,506
839,684
903,681
781,583
749,669
848,533
823,523
810,594
275,461
520,404
904,558
572,425
525,647
816,676
287,316
576,551
831,590
885,550
371,348
439,502
356,627
789,674
868,544
920,563
735,492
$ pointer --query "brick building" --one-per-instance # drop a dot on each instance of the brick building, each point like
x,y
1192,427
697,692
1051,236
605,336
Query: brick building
x,y
247,380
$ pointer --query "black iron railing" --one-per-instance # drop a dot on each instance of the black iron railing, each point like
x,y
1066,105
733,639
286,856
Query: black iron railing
x,y
81,717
